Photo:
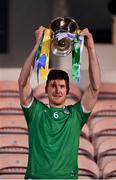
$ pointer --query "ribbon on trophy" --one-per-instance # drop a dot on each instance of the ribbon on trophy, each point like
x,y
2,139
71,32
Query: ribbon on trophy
x,y
42,56
62,35
76,56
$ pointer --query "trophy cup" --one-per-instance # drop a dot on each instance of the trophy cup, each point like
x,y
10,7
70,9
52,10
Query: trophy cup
x,y
62,27
62,37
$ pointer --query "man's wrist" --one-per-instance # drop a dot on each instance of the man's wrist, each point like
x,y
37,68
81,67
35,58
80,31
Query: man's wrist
x,y
91,48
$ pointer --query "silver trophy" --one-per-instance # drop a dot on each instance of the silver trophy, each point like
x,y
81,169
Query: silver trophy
x,y
61,25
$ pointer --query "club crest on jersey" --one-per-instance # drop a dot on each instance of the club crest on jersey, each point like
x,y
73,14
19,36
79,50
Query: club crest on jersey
x,y
66,111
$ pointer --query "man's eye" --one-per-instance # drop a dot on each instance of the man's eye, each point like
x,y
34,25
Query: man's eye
x,y
62,86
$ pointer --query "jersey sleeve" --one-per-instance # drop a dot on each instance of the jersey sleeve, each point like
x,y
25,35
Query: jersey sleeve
x,y
29,110
83,115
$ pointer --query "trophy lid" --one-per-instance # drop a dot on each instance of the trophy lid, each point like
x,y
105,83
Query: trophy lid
x,y
64,24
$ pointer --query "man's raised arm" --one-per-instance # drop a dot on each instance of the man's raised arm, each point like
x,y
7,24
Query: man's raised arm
x,y
89,97
25,89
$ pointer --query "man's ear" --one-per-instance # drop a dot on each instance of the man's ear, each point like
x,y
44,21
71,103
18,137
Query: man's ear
x,y
68,89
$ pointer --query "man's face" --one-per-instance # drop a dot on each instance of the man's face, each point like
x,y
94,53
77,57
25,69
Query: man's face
x,y
57,91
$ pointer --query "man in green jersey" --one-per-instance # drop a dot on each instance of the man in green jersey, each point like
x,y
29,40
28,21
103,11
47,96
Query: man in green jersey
x,y
54,130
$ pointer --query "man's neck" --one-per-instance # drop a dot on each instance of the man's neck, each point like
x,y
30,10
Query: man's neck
x,y
56,106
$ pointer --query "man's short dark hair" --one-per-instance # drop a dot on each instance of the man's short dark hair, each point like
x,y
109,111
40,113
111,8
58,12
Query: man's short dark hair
x,y
58,74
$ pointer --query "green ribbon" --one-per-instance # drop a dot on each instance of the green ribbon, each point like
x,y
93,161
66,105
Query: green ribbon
x,y
36,68
76,52
39,48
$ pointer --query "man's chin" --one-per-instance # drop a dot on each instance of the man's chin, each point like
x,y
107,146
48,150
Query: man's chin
x,y
58,103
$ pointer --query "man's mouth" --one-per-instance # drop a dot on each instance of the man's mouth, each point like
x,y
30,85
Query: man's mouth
x,y
57,96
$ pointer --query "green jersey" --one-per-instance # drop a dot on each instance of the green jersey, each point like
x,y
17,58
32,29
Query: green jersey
x,y
53,140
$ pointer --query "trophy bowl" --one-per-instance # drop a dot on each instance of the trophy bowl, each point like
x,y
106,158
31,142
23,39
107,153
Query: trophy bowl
x,y
62,47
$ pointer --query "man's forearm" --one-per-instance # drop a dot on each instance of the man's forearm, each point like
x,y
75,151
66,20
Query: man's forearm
x,y
29,63
94,70
26,70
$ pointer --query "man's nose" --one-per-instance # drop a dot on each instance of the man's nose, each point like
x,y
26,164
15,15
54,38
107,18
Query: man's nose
x,y
57,89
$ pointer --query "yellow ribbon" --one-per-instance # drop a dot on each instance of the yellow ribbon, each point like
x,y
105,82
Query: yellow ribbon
x,y
78,31
46,51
